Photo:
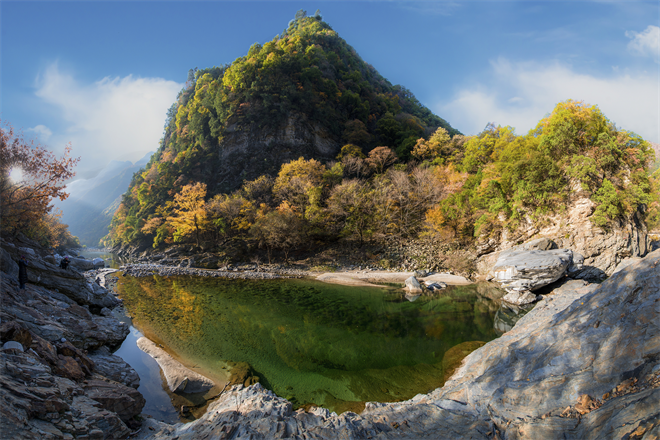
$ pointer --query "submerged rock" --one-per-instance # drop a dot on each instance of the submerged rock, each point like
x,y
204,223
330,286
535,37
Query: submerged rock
x,y
179,378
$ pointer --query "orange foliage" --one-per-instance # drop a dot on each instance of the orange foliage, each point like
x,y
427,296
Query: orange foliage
x,y
25,200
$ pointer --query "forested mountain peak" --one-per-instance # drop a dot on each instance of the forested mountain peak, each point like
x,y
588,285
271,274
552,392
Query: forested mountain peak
x,y
306,93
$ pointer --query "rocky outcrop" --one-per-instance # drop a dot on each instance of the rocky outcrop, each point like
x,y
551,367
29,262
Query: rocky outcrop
x,y
113,367
602,250
51,386
179,378
70,282
38,404
54,316
584,363
522,271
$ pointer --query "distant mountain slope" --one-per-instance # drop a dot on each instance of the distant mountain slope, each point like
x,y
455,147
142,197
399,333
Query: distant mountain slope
x,y
305,93
86,208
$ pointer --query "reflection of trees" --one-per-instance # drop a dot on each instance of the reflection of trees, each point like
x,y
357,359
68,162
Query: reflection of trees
x,y
186,316
292,329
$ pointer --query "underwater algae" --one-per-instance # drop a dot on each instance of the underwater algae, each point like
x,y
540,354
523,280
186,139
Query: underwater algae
x,y
313,343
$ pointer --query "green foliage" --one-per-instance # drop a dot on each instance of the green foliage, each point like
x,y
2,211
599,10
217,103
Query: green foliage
x,y
307,70
574,148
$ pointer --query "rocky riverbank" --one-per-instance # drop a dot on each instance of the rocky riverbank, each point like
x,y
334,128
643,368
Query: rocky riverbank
x,y
585,363
58,377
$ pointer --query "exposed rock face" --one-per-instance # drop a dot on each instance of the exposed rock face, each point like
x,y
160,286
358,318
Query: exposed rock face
x,y
125,401
53,389
247,154
602,341
54,316
522,271
70,282
602,250
113,367
39,405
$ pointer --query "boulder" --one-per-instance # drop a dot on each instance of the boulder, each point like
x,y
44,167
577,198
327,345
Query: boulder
x,y
82,264
435,285
522,271
12,346
125,401
113,367
413,286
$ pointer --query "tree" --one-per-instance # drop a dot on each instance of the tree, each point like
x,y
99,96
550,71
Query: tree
x,y
280,229
297,181
30,178
189,213
352,204
433,147
381,158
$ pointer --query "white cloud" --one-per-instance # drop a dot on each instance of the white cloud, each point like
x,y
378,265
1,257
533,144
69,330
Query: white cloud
x,y
114,118
520,94
646,43
42,132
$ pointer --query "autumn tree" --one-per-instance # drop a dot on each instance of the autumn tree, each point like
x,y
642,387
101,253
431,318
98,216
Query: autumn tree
x,y
352,205
298,181
30,178
433,147
189,213
281,229
380,158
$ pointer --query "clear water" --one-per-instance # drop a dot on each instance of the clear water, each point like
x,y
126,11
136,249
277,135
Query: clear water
x,y
152,385
310,342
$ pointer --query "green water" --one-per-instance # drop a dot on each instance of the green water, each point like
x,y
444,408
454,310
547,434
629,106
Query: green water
x,y
313,343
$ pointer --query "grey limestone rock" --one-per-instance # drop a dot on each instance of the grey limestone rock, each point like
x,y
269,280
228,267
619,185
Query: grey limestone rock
x,y
413,286
522,271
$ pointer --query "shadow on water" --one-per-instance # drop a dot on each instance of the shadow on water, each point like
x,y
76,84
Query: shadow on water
x,y
315,343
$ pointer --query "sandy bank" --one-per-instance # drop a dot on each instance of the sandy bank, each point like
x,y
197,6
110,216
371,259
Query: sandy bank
x,y
374,278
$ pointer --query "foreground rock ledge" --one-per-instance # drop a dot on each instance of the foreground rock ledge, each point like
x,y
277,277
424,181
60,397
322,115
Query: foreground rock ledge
x,y
585,363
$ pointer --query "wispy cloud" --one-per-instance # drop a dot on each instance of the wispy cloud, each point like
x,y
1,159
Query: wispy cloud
x,y
645,43
520,94
42,132
114,118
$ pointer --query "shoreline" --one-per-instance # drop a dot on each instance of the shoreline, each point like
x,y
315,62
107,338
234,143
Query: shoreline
x,y
220,380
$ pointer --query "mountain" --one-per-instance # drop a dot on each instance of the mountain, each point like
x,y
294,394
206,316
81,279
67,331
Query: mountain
x,y
305,94
88,210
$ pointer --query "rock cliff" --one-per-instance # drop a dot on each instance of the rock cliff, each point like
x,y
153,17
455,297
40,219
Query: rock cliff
x,y
249,153
585,363
602,250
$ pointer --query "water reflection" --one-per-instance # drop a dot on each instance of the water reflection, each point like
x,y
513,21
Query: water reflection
x,y
315,343
507,316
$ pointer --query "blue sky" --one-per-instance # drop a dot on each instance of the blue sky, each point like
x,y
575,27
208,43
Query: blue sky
x,y
101,75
